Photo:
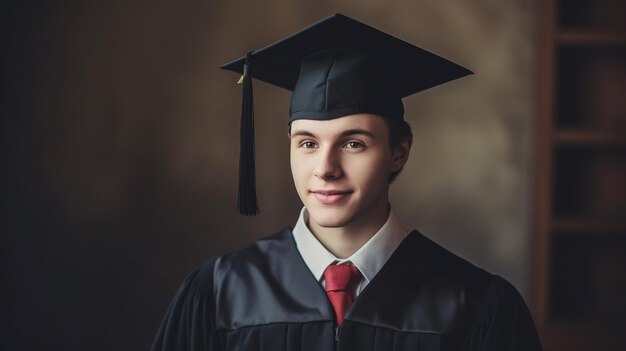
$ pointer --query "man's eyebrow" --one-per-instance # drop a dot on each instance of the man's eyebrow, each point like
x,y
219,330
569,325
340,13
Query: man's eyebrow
x,y
345,133
351,132
299,132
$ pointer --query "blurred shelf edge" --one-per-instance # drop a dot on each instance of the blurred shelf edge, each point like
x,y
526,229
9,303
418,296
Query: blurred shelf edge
x,y
591,38
588,138
576,226
583,336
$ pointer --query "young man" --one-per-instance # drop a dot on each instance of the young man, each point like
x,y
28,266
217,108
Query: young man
x,y
348,276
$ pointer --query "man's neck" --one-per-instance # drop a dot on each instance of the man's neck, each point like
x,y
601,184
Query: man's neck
x,y
344,241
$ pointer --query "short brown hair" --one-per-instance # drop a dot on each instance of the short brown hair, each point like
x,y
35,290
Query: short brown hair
x,y
399,131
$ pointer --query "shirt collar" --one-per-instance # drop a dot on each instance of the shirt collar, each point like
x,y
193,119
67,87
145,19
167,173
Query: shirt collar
x,y
369,259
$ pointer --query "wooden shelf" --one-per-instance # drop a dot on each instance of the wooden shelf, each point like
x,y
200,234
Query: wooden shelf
x,y
580,238
588,138
579,337
590,38
575,226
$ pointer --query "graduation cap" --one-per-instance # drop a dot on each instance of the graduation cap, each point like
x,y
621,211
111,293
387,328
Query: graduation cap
x,y
335,67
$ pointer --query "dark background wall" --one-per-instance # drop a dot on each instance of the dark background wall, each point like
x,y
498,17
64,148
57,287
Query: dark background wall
x,y
120,136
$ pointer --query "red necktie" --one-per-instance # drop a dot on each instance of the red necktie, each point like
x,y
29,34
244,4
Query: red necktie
x,y
341,281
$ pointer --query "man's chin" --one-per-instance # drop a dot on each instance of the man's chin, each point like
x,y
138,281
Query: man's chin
x,y
330,224
328,218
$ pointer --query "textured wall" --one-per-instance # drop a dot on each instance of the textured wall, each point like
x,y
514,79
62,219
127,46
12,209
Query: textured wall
x,y
120,143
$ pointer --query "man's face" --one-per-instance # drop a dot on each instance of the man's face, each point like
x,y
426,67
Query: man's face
x,y
341,168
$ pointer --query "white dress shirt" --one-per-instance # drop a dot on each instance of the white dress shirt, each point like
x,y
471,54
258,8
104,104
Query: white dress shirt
x,y
368,259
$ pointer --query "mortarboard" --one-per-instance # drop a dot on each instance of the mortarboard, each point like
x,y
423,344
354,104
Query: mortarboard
x,y
335,67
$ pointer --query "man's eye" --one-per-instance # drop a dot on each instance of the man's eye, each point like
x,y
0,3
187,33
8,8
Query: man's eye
x,y
353,145
308,145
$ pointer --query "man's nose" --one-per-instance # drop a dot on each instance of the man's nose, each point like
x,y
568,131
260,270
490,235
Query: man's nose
x,y
328,165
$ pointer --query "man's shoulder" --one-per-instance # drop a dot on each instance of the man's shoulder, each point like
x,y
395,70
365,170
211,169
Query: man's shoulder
x,y
451,270
257,251
439,269
251,254
440,260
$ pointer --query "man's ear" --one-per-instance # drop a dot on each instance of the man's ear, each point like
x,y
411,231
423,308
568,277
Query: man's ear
x,y
400,154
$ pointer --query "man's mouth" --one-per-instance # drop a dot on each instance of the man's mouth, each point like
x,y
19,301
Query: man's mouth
x,y
330,197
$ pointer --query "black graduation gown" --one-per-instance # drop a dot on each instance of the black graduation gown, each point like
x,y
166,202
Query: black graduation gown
x,y
425,298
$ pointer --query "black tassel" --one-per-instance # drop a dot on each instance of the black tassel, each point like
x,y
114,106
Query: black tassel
x,y
247,203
